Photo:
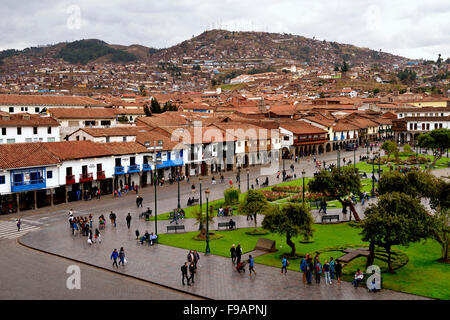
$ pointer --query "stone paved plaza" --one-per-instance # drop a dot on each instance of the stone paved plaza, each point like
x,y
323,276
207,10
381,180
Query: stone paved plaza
x,y
216,277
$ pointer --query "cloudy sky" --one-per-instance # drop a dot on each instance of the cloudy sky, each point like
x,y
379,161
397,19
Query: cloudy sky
x,y
411,28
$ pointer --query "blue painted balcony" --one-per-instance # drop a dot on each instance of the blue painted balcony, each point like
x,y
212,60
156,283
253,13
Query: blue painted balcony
x,y
134,168
28,185
119,170
146,167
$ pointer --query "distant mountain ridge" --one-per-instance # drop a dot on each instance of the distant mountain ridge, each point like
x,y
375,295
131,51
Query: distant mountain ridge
x,y
217,45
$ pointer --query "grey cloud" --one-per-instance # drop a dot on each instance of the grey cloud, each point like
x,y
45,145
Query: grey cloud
x,y
409,28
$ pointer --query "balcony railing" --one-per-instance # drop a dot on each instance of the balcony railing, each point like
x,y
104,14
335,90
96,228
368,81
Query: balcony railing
x,y
85,177
70,179
119,170
317,140
134,168
146,167
17,186
101,175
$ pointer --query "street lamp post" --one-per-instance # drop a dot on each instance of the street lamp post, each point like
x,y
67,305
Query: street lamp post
x,y
303,190
200,181
239,177
338,160
178,182
155,180
248,180
379,165
207,251
373,175
354,156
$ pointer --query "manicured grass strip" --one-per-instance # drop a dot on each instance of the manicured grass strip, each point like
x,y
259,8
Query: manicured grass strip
x,y
422,275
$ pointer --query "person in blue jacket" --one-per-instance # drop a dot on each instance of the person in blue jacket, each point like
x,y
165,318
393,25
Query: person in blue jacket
x,y
114,256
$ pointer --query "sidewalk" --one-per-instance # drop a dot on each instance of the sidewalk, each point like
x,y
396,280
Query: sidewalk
x,y
216,277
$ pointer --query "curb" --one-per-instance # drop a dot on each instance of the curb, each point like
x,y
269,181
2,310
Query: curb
x,y
105,269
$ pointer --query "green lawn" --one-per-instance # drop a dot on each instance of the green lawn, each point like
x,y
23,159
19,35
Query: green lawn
x,y
366,186
422,275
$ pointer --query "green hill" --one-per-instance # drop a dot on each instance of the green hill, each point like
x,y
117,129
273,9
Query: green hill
x,y
84,51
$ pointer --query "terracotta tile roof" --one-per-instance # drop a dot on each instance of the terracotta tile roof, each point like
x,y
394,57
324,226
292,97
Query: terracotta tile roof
x,y
69,150
119,148
120,111
302,127
82,113
112,132
166,119
47,100
26,120
152,136
22,155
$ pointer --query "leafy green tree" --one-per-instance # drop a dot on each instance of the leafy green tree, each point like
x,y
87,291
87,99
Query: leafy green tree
x,y
155,107
417,184
440,201
396,219
437,140
200,218
345,67
254,203
376,91
291,220
390,147
407,148
338,184
168,106
147,111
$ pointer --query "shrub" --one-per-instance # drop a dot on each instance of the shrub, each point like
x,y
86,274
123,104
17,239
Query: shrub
x,y
231,196
407,148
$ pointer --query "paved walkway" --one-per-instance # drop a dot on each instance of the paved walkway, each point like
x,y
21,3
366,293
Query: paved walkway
x,y
216,277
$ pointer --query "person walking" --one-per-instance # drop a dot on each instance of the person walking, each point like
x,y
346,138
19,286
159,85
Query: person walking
x,y
303,267
122,256
192,271
238,253
332,264
318,270
233,253
128,219
338,270
326,271
196,258
90,220
190,257
251,265
97,236
114,256
184,274
137,201
18,224
284,264
309,269
112,217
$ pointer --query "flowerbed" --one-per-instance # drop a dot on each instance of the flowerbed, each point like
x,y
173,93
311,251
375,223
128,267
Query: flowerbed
x,y
288,189
273,195
308,197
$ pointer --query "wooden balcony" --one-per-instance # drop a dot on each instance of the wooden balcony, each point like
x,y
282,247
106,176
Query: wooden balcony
x,y
70,179
101,175
85,177
299,142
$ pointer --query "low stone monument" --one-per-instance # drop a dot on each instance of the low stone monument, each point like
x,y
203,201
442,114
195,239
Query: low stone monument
x,y
264,244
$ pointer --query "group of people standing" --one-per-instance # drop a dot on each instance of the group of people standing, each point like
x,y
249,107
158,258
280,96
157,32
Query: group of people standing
x,y
191,265
330,269
84,226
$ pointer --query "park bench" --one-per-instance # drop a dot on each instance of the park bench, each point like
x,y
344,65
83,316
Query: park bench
x,y
175,228
193,201
226,225
330,217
